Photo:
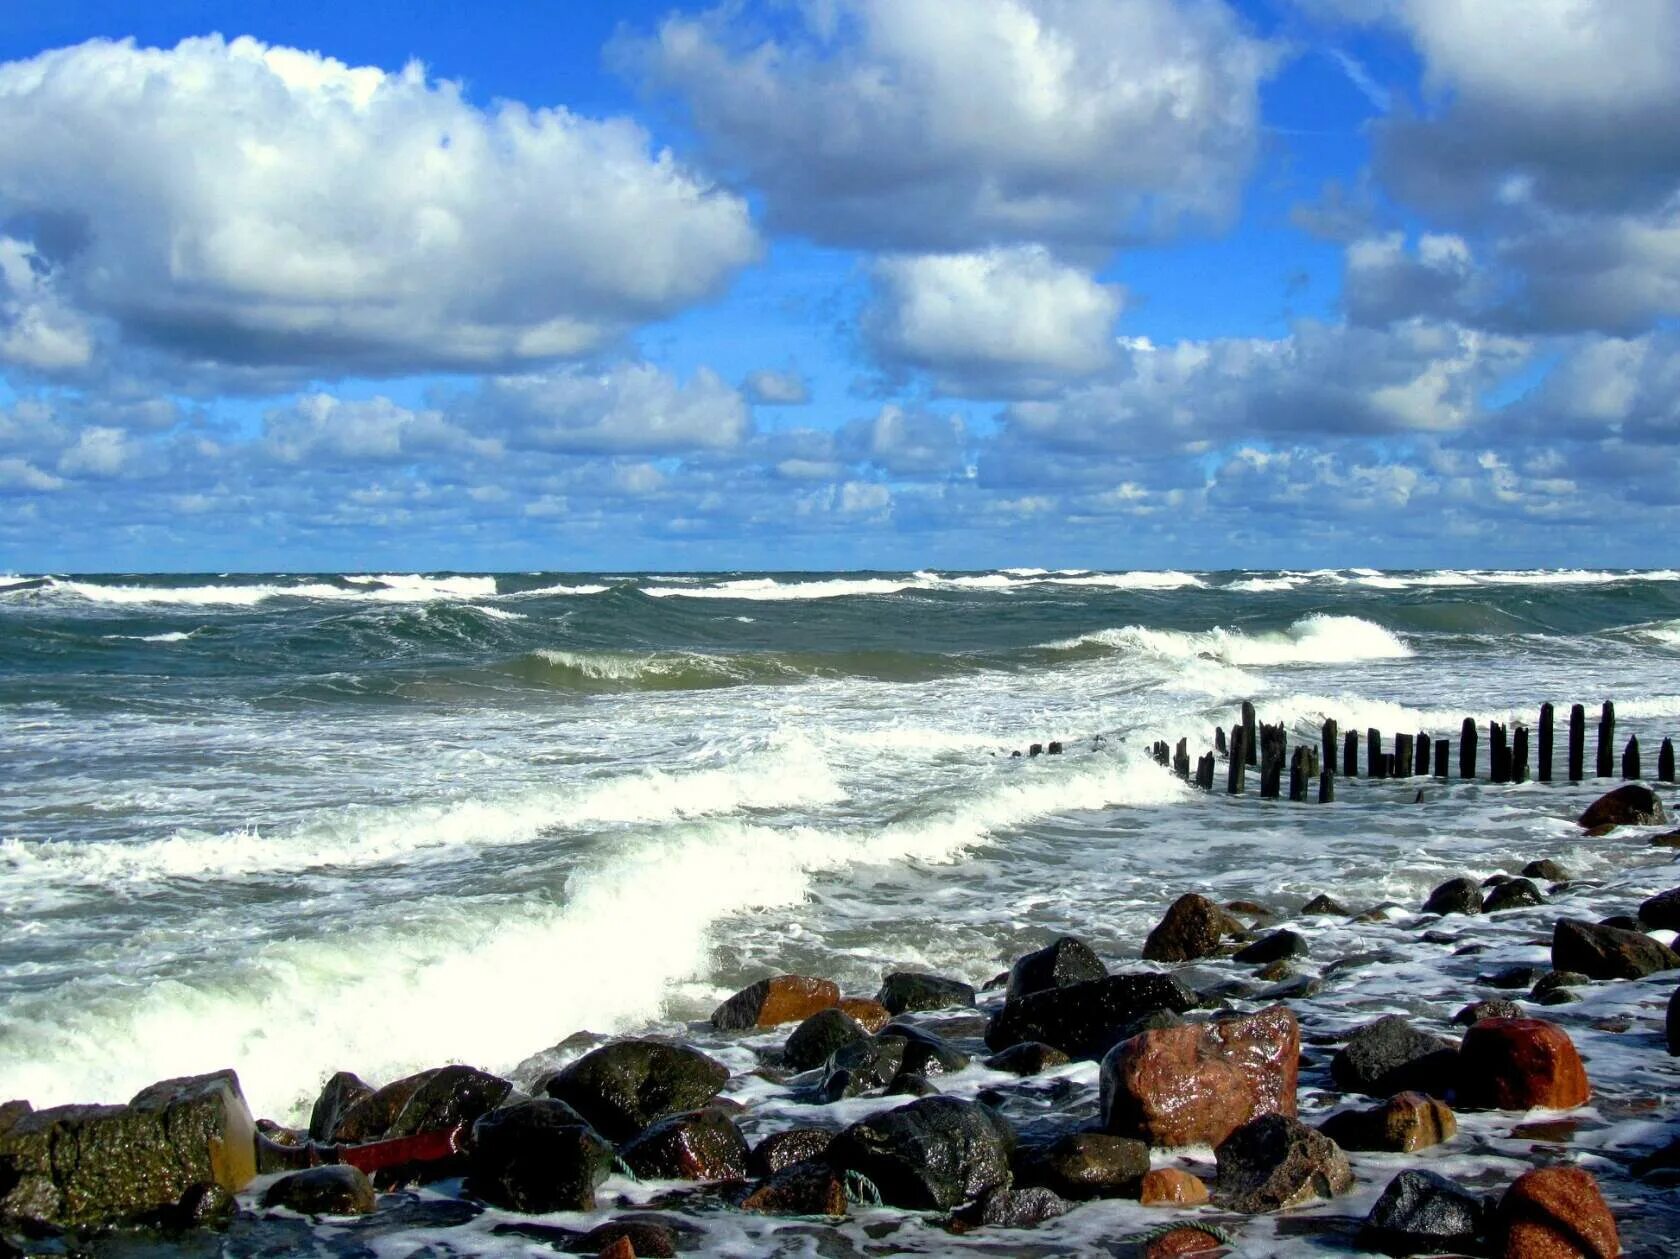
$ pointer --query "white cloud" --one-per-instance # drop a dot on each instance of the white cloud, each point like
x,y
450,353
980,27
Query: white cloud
x,y
20,474
99,452
321,428
907,441
632,408
776,389
38,330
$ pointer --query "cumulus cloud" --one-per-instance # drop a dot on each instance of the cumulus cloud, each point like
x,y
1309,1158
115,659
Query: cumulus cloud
x,y
776,389
906,441
320,428
238,203
632,408
1385,281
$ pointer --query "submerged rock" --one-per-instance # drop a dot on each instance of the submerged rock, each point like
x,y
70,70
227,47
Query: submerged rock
x,y
933,1154
1455,896
1405,1123
335,1190
1390,1056
1030,1057
1608,952
1633,804
622,1087
1082,1165
905,992
1059,964
1086,1020
776,1000
1275,1162
1272,947
703,1144
1512,894
1423,1213
536,1157
1325,906
805,1188
1192,927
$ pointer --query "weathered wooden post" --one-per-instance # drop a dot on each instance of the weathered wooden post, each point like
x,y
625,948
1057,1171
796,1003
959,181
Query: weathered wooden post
x,y
1467,749
1181,759
1328,735
1298,776
1237,766
1204,771
1402,756
1519,755
1219,740
1422,753
1577,743
1499,756
1630,758
1373,753
1443,750
1163,755
1327,786
1665,761
1350,754
1250,747
1544,753
1271,761
1607,740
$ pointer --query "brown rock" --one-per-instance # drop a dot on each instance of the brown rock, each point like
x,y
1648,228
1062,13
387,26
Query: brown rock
x,y
1082,1165
784,1149
1632,804
867,1011
1192,927
1196,1084
1601,952
776,1000
1405,1123
1668,839
1519,1064
620,1249
701,1145
1555,1213
809,1188
1170,1186
1184,1241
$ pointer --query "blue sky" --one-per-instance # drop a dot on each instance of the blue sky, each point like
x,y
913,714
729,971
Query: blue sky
x,y
850,283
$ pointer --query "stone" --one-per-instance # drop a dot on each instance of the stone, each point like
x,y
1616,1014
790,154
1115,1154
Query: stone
x,y
1671,1025
647,1236
1085,1165
932,1154
1390,1056
804,1188
1030,1057
1608,952
1404,1124
1196,1084
624,1086
1633,804
341,1091
335,1190
909,1084
1272,947
535,1157
1188,1239
811,1043
1519,1064
904,992
1171,1186
1322,906
702,1144
871,1015
1552,987
1192,927
1661,912
1512,894
1555,1213
1668,839
177,1144
869,1064
774,1001
1423,1213
784,1149
1086,1020
1009,1208
449,1097
1455,896
1546,869
1275,1162
12,1111
1064,961
924,1052
1513,977
370,1117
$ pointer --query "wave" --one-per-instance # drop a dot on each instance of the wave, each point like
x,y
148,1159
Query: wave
x,y
1141,580
769,589
1316,639
620,671
561,589
388,588
173,636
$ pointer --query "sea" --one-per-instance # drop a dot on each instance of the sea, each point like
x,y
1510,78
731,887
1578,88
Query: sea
x,y
301,823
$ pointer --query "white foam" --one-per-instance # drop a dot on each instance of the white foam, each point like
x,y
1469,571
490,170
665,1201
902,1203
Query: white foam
x,y
390,588
561,589
173,636
770,590
496,614
1141,580
1266,585
1315,639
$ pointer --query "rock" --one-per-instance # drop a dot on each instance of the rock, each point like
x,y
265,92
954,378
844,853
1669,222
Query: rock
x,y
624,1086
1404,1124
623,1248
1028,1058
935,1153
703,1144
1062,962
536,1157
1455,896
905,992
1187,1239
783,1149
342,1091
873,1063
1083,1165
1519,1064
1272,947
1479,1010
177,1144
1608,952
12,1111
909,1084
1513,977
1671,1026
871,1015
369,1118
924,1052
1552,987
1390,1056
1196,1084
1546,869
1192,927
1661,912
1169,1186
774,1001
648,1236
1555,1213
1512,894
1009,1208
1423,1213
1324,906
335,1190
1276,1161
1086,1020
1633,804
447,1098
817,1037
1276,972
1668,839
804,1188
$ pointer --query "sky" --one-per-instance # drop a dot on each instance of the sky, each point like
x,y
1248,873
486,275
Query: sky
x,y
839,284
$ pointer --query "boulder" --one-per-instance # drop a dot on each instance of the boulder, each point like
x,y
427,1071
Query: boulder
x,y
447,1098
784,1149
1512,894
1633,804
1608,952
1324,906
1423,1213
624,1086
1455,896
1513,977
1404,1124
933,1154
1060,963
1192,927
905,992
1390,1056
866,1064
909,1084
1082,1165
1170,1186
805,1188
536,1157
1275,1162
703,1144
1272,947
924,1053
648,1236
1555,1213
342,1091
1498,1008
1196,1084
177,1144
1028,1058
776,1000
871,1015
1086,1020
335,1190
370,1117
1186,1239
1519,1064
1671,1025
817,1037
1553,987
1661,912
1002,1207
1546,869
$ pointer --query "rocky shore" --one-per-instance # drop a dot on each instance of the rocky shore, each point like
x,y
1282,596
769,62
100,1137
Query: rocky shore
x,y
1508,1091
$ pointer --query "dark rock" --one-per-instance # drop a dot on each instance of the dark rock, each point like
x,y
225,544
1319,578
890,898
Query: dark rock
x,y
447,1098
703,1144
1555,1212
806,1188
873,1063
623,1087
1633,804
1621,922
1062,962
335,1190
1404,1124
924,1052
1608,952
1546,869
369,1118
819,1036
1192,927
776,1000
338,1095
783,1149
1519,1064
1325,906
1082,1165
1672,1024
1513,977
935,1153
1423,1213
1028,1058
907,991
1554,983
1494,880
1275,1162
1272,947
1010,1208
1478,1010
1661,912
650,1236
909,1084
1086,1020
1390,1056
1455,896
1512,894
535,1157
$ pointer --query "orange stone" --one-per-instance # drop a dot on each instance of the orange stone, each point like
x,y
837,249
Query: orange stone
x,y
870,1013
1169,1186
620,1249
1183,1241
779,999
1520,1064
1555,1213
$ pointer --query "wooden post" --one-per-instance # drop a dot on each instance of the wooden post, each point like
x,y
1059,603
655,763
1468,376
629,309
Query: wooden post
x,y
1219,740
1402,756
1373,753
1467,749
1665,761
1163,755
1577,743
1519,755
1423,752
1607,740
1499,755
1181,759
1350,754
1443,749
1544,753
1630,758
1298,776
1329,739
1204,771
1327,786
1250,745
1237,767
1271,762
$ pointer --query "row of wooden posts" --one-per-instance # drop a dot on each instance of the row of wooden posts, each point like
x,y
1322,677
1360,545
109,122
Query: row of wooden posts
x,y
1266,748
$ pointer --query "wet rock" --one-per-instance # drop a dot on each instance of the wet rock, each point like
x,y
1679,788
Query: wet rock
x,y
336,1190
783,1149
907,991
369,1118
1275,1162
1300,988
1455,896
12,1111
909,1084
1423,1213
871,1015
447,1098
1084,1165
1273,947
1671,1025
1404,1124
873,1063
342,1091
622,1087
1555,1213
535,1157
1552,987
1512,894
1608,952
1518,1064
924,1052
1010,1208
819,1036
1391,1056
1192,927
1661,912
180,1141
1276,972
703,1144
1028,1058
1633,804
805,1188
1476,1011
1546,869
935,1153
1668,839
1086,1020
623,1248
1622,922
1194,1085
1324,906
1513,977
1064,961
774,1001
1170,1186
649,1236
1187,1239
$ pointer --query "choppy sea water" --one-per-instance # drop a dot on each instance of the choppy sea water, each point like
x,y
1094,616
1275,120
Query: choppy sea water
x,y
296,824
